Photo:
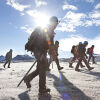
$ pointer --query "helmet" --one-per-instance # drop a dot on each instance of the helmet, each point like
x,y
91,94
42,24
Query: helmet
x,y
80,43
54,19
86,42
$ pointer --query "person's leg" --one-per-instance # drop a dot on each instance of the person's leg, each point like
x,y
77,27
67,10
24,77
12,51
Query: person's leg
x,y
89,58
29,77
42,75
72,61
9,64
82,65
32,75
42,79
5,64
93,59
57,63
78,63
88,66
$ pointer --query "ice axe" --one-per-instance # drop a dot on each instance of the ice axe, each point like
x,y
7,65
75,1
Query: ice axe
x,y
29,70
27,73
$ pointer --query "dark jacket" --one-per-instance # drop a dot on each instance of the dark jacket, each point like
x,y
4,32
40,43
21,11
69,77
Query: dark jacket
x,y
9,56
81,50
39,39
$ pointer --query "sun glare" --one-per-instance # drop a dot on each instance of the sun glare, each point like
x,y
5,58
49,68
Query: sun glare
x,y
41,20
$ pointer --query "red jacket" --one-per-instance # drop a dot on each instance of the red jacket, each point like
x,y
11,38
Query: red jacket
x,y
91,50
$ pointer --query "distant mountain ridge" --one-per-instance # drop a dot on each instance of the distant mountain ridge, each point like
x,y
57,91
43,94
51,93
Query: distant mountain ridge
x,y
30,58
18,58
23,58
97,59
2,58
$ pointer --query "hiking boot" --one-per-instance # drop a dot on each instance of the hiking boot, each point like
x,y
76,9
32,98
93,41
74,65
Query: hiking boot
x,y
82,66
91,68
78,70
44,90
94,63
60,68
27,83
70,66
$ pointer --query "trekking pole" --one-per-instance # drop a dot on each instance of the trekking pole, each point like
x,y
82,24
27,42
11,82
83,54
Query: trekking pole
x,y
26,73
52,64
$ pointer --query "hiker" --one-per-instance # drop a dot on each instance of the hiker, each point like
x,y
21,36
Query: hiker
x,y
90,52
56,58
8,58
39,44
74,52
82,56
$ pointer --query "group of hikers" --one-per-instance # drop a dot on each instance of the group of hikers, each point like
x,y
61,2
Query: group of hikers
x,y
40,43
79,52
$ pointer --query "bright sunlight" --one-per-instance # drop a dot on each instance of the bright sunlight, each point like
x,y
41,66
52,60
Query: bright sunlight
x,y
41,19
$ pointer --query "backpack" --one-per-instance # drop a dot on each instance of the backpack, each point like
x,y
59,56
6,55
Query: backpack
x,y
88,51
37,40
32,40
73,47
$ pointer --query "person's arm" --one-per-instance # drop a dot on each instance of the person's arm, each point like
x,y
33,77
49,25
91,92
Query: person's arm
x,y
85,53
86,56
52,47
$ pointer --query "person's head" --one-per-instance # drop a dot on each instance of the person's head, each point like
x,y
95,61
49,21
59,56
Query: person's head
x,y
11,50
57,43
92,46
85,43
80,43
53,21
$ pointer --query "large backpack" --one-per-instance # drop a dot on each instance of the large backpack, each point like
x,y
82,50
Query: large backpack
x,y
73,47
32,40
37,40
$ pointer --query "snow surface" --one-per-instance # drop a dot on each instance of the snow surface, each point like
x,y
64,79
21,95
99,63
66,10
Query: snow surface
x,y
66,84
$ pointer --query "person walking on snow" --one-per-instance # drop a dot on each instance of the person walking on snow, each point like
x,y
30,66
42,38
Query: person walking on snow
x,y
90,52
8,58
56,58
39,45
82,56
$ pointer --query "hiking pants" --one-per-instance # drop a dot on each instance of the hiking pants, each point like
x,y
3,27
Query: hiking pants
x,y
80,61
56,61
93,58
42,64
7,61
73,60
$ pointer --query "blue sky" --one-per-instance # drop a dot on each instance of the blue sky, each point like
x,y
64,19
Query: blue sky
x,y
80,21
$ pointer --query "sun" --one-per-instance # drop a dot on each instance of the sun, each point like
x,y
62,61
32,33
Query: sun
x,y
41,20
